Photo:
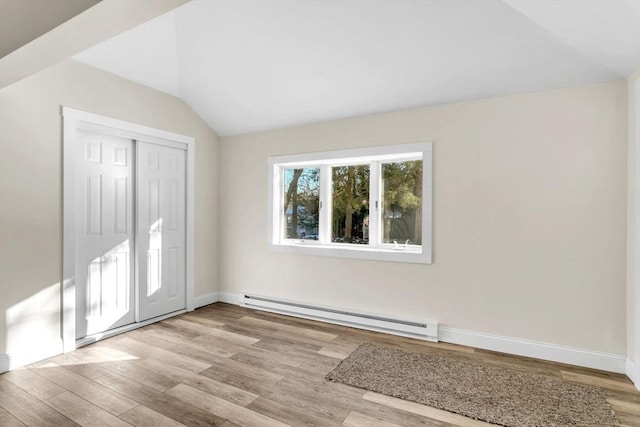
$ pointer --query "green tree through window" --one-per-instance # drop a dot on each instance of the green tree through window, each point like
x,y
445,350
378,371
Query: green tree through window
x,y
402,202
350,215
302,203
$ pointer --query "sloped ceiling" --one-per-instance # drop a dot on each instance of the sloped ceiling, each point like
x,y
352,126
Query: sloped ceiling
x,y
245,66
22,21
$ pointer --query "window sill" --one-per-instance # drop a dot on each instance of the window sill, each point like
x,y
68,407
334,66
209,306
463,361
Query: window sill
x,y
409,255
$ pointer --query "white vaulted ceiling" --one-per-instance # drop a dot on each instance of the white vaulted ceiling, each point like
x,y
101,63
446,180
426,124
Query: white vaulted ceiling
x,y
245,66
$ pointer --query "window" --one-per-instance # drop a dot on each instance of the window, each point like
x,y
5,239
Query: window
x,y
302,203
372,203
402,202
350,204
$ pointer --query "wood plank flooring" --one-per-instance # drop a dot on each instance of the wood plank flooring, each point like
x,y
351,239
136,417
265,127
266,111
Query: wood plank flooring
x,y
224,365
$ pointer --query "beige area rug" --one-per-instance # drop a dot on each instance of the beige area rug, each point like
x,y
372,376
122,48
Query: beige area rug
x,y
496,395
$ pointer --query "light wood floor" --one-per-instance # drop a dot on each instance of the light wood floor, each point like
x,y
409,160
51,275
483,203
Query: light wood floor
x,y
225,365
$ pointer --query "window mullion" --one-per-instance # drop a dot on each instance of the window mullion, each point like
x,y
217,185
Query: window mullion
x,y
324,229
279,222
374,204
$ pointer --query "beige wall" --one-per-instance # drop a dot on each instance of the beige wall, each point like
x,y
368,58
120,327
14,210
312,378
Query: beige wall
x,y
529,209
529,218
632,219
31,187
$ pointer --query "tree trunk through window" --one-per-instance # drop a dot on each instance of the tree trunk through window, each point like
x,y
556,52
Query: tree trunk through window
x,y
292,197
417,218
348,223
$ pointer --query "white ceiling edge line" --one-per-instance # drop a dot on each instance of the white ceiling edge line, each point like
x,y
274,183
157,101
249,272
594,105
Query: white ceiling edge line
x,y
363,116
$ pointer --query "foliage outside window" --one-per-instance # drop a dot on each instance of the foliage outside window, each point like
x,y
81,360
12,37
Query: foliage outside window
x,y
402,202
302,203
350,214
367,203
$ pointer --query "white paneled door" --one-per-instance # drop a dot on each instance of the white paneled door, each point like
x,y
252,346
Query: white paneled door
x,y
131,235
161,229
104,184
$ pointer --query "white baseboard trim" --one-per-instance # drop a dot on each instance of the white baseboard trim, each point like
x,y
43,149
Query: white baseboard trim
x,y
632,372
229,298
5,363
202,300
539,350
26,357
214,297
521,347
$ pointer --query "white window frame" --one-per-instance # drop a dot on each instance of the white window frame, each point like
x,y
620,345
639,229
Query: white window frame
x,y
374,156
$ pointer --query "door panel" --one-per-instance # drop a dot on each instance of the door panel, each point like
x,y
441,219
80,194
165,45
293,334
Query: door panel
x,y
161,229
104,291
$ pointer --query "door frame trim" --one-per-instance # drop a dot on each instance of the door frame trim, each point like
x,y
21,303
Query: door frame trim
x,y
74,120
635,303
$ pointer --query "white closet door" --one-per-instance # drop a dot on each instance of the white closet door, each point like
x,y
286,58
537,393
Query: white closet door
x,y
104,184
161,229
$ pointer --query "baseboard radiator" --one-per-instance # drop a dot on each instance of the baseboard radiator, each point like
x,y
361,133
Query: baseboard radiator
x,y
427,331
